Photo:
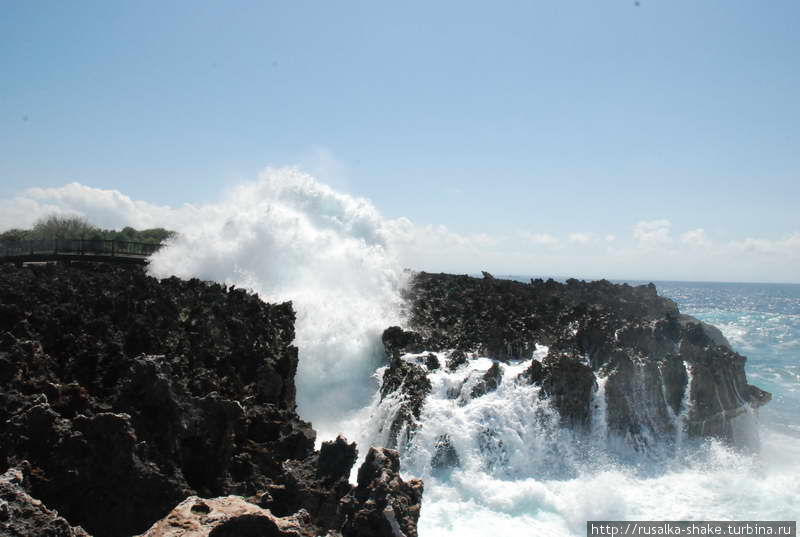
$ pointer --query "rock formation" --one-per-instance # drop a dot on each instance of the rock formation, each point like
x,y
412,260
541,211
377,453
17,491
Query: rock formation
x,y
24,516
126,395
658,363
229,516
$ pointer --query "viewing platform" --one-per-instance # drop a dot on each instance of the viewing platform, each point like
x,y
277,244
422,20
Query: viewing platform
x,y
66,250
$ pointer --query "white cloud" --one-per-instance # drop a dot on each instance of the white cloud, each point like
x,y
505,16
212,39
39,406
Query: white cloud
x,y
544,239
651,234
22,212
580,238
435,239
696,237
789,246
317,212
105,208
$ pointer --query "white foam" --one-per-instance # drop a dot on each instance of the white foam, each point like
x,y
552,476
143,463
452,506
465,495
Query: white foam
x,y
288,237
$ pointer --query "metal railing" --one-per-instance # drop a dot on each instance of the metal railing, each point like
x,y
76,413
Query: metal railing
x,y
91,247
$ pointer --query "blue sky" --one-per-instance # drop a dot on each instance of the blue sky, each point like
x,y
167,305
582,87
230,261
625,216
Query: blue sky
x,y
515,124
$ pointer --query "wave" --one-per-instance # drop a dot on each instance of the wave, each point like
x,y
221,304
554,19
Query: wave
x,y
288,237
513,467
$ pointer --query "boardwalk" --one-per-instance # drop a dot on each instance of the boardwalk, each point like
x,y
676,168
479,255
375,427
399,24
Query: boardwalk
x,y
32,251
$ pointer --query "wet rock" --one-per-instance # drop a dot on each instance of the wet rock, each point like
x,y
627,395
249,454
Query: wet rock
x,y
445,455
396,341
534,374
409,382
569,385
489,381
645,347
432,362
757,397
711,332
456,359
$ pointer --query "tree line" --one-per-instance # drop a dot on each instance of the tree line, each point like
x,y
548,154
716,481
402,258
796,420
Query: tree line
x,y
57,226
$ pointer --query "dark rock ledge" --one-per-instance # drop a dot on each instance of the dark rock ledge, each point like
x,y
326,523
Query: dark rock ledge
x,y
645,348
122,397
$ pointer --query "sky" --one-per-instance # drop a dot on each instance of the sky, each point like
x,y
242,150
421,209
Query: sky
x,y
583,138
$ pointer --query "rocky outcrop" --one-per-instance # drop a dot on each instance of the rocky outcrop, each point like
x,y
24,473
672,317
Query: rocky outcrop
x,y
568,384
657,363
488,382
411,383
23,516
382,503
125,395
229,516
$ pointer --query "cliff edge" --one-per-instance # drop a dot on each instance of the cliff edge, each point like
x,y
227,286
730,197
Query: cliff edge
x,y
122,396
654,363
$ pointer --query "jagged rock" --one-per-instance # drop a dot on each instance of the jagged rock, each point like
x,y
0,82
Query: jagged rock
x,y
432,362
23,516
412,382
128,395
489,381
336,458
645,347
396,340
568,384
456,359
712,332
756,396
316,484
534,374
383,505
229,516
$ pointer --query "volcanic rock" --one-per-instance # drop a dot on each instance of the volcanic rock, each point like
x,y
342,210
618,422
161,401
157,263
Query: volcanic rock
x,y
229,516
489,381
445,455
411,382
658,363
382,503
23,516
126,395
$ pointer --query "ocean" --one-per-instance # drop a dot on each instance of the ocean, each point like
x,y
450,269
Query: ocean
x,y
542,480
288,237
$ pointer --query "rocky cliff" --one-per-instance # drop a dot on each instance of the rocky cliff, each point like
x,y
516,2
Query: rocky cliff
x,y
653,362
121,396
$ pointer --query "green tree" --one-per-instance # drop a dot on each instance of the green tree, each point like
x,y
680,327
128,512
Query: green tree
x,y
15,235
155,235
56,226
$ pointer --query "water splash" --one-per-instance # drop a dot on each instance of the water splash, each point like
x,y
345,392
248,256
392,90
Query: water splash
x,y
288,237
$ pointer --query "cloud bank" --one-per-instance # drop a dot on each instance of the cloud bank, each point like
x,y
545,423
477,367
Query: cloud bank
x,y
649,249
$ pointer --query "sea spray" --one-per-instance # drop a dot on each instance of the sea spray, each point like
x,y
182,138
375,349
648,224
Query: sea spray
x,y
289,238
518,471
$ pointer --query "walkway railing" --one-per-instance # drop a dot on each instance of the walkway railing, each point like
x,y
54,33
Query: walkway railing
x,y
46,249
